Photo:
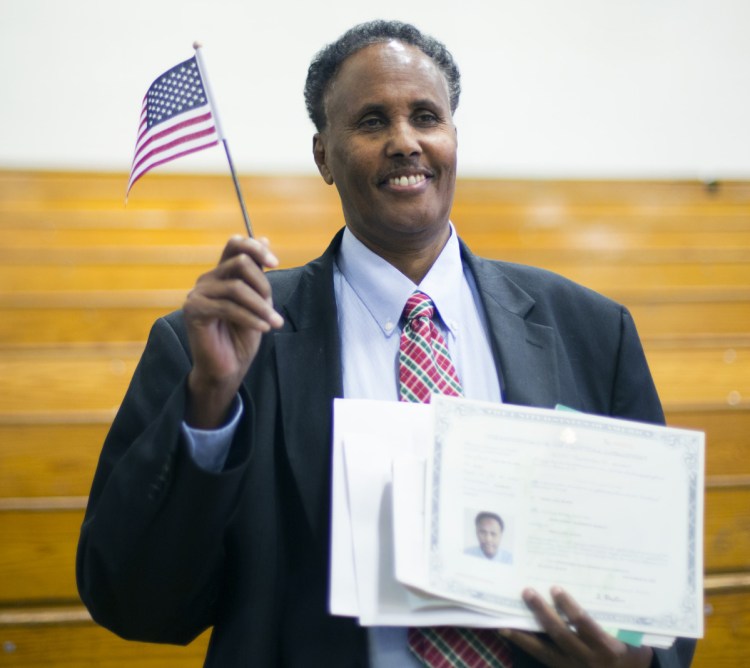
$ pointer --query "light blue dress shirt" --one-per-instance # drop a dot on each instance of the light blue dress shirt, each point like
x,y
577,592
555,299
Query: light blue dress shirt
x,y
370,296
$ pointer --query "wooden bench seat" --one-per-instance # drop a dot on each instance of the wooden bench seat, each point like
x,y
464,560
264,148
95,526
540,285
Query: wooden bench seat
x,y
100,189
64,638
67,638
79,319
182,273
98,316
55,454
50,455
726,643
55,231
56,379
64,379
37,557
82,278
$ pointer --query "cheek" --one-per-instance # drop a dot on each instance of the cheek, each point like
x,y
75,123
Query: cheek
x,y
447,152
348,166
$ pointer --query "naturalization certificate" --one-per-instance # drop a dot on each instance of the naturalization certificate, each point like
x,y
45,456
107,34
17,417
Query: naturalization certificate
x,y
608,509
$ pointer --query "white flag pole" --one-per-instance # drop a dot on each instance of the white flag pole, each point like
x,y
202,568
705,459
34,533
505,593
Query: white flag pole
x,y
220,133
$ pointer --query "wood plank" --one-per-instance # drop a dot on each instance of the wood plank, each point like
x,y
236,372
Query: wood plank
x,y
101,277
664,318
727,437
86,645
127,315
294,215
77,645
726,643
552,256
604,278
59,379
56,455
61,186
727,640
42,460
685,376
87,323
37,555
727,529
58,232
79,378
96,316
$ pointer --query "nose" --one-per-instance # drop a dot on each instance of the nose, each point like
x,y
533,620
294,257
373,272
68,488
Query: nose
x,y
403,140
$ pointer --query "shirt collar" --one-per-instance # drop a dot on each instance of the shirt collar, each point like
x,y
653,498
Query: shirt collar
x,y
383,289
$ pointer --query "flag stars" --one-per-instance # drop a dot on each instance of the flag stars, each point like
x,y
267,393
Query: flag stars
x,y
174,92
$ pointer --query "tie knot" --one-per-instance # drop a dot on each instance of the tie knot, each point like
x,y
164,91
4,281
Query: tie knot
x,y
419,305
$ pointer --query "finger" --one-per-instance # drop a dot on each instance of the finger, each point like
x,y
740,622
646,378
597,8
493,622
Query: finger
x,y
202,308
555,626
239,278
607,649
232,300
244,268
535,645
258,250
588,630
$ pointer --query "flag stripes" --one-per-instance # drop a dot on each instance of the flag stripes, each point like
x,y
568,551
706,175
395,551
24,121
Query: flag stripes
x,y
176,120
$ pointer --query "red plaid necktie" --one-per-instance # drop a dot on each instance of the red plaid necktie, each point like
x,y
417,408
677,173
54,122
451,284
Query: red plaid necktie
x,y
424,364
425,368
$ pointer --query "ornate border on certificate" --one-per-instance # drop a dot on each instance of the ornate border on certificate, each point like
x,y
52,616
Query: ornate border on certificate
x,y
686,616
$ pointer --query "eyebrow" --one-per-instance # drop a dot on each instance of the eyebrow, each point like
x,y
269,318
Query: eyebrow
x,y
379,107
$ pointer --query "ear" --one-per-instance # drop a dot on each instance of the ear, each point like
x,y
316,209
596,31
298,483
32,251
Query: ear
x,y
319,154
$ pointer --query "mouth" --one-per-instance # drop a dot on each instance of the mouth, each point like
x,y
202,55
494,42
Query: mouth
x,y
406,177
411,180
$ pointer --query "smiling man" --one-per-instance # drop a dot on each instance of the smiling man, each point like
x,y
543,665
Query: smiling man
x,y
489,528
389,146
211,502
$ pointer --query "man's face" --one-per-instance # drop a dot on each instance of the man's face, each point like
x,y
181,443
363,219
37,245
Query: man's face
x,y
390,146
489,534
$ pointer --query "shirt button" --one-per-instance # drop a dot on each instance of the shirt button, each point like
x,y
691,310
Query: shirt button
x,y
388,326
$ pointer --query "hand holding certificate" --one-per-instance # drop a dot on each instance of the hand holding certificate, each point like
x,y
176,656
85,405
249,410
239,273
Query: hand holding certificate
x,y
492,499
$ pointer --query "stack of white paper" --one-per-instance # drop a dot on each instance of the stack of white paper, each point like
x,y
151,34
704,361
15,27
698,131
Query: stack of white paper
x,y
610,510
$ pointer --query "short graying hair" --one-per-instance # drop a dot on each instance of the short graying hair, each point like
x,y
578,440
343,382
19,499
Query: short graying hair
x,y
327,61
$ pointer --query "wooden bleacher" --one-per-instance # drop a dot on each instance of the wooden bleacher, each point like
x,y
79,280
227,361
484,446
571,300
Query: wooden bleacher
x,y
82,278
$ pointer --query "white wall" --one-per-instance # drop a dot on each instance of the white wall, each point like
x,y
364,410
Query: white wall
x,y
571,88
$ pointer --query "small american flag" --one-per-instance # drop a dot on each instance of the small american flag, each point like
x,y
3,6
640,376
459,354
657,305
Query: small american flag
x,y
176,120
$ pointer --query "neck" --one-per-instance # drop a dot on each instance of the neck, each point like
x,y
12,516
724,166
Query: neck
x,y
413,261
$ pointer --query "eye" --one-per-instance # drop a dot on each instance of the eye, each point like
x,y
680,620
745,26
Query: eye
x,y
371,122
424,117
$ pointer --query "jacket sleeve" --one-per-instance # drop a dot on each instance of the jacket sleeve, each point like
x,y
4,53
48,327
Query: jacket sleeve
x,y
151,545
634,394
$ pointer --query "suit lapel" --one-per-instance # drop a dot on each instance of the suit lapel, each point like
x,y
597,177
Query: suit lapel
x,y
524,350
308,361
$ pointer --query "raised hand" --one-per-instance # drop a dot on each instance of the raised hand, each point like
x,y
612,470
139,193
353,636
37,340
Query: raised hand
x,y
226,314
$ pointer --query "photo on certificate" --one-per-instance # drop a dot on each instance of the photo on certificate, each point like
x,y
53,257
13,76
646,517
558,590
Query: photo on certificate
x,y
610,510
487,536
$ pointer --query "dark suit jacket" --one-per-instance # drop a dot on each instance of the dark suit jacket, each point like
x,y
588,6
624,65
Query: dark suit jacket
x,y
167,549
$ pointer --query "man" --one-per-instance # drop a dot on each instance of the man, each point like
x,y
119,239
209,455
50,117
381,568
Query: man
x,y
211,502
489,529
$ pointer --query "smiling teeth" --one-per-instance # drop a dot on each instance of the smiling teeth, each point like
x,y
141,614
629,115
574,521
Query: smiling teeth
x,y
407,180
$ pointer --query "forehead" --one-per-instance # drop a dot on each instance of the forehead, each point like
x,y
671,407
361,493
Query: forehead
x,y
487,523
385,73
